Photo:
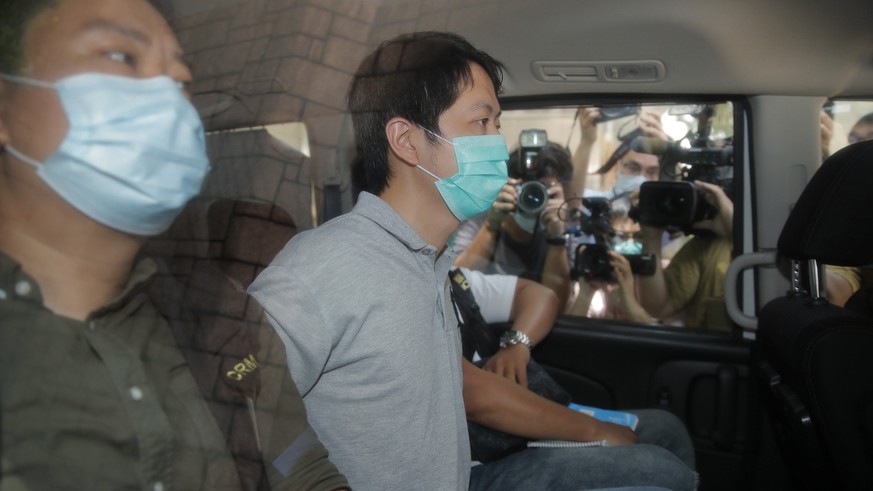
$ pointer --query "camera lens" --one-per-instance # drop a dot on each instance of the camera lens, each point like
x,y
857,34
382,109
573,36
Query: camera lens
x,y
532,197
673,205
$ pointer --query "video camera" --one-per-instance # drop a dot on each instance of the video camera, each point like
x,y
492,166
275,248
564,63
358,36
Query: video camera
x,y
678,203
592,260
532,194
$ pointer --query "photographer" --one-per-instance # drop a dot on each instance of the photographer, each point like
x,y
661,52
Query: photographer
x,y
619,296
510,240
631,168
693,283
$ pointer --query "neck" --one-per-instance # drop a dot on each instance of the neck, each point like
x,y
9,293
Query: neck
x,y
422,208
78,264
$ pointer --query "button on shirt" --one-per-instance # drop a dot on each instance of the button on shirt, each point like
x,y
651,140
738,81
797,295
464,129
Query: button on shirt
x,y
103,404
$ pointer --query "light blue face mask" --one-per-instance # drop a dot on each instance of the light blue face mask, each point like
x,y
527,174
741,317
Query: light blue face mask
x,y
629,247
134,153
525,221
481,174
625,183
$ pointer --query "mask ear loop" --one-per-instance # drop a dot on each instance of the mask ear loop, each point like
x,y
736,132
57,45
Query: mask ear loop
x,y
431,174
27,81
24,158
34,83
437,136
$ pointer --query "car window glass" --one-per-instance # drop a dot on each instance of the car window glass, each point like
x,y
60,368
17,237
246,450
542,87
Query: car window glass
x,y
845,122
664,146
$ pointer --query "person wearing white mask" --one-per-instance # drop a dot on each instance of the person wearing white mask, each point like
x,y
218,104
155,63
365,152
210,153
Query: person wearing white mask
x,y
100,148
631,169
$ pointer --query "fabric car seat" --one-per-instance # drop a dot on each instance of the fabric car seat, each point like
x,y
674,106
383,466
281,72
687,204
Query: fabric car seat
x,y
205,262
816,359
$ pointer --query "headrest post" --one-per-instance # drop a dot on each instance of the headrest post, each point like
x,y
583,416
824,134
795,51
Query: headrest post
x,y
817,287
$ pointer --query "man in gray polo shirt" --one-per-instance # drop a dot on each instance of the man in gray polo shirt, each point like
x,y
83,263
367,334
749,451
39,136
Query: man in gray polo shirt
x,y
362,302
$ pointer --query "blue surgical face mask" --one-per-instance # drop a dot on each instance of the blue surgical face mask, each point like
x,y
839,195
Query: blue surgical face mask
x,y
134,153
481,174
525,221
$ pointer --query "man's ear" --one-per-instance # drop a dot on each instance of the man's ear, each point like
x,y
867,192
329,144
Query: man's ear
x,y
401,140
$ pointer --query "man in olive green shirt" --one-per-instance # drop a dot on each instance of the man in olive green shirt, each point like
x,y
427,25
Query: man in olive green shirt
x,y
693,283
101,388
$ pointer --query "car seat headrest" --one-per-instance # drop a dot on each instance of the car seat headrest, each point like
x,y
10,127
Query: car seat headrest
x,y
832,220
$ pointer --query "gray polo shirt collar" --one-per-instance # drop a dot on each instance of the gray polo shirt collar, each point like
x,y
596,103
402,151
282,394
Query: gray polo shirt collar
x,y
380,212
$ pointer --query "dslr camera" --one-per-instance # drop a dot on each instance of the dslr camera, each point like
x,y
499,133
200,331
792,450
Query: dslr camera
x,y
532,194
592,260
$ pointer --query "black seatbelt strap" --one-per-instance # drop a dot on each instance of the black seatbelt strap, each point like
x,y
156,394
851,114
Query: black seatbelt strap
x,y
476,336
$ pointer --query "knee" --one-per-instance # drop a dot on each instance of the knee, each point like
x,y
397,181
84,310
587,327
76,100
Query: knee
x,y
663,420
665,429
661,467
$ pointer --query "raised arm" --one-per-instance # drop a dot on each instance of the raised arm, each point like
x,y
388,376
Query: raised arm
x,y
556,266
588,135
654,293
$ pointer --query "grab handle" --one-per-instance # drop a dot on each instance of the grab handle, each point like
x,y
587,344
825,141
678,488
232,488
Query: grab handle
x,y
737,266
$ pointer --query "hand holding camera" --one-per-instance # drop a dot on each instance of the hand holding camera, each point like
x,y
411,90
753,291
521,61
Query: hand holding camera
x,y
650,124
551,222
502,206
588,119
722,222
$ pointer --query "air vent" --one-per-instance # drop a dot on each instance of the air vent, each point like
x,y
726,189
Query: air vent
x,y
599,71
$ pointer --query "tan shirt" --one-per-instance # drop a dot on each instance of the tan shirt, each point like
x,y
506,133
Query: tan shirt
x,y
695,280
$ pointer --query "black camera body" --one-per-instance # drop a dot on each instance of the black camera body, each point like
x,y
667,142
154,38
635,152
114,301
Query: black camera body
x,y
592,260
673,204
532,195
679,204
592,263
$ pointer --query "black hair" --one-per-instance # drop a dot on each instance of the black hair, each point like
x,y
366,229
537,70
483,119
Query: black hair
x,y
554,161
15,16
417,76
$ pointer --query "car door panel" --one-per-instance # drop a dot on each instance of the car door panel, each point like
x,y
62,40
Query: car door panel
x,y
702,377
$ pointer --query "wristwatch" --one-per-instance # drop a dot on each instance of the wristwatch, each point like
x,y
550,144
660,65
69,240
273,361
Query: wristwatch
x,y
557,240
511,336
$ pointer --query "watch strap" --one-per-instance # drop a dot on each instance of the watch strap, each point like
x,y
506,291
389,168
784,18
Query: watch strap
x,y
511,336
559,240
